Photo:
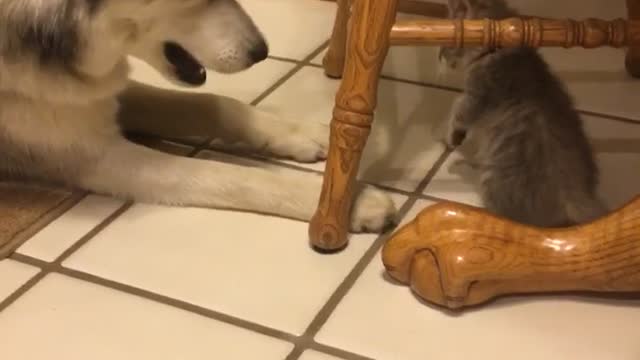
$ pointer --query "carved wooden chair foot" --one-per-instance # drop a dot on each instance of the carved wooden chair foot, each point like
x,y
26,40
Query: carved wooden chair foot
x,y
455,255
372,30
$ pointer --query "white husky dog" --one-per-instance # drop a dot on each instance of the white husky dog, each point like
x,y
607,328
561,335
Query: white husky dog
x,y
65,102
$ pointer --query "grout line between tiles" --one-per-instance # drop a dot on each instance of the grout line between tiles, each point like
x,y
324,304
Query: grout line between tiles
x,y
42,221
459,90
307,340
436,198
289,60
299,65
45,267
22,289
58,268
92,233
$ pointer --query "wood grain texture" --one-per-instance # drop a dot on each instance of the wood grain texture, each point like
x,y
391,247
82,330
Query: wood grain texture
x,y
632,60
352,117
514,32
334,58
456,255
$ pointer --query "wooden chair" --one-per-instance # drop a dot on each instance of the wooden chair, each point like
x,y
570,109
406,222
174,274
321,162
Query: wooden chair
x,y
359,61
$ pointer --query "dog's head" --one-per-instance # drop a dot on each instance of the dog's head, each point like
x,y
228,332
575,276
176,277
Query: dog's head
x,y
80,47
182,37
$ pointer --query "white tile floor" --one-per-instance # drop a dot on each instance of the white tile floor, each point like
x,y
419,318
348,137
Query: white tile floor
x,y
147,282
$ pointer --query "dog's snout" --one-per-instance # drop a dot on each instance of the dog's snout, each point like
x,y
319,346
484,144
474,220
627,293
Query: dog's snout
x,y
259,52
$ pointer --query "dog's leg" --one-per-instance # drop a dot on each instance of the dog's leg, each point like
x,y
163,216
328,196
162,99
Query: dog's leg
x,y
135,172
175,114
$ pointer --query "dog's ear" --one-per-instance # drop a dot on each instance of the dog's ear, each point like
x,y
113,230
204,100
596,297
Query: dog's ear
x,y
185,66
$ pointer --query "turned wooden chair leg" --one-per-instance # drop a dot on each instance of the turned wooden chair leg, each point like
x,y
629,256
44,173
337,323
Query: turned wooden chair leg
x,y
632,61
335,57
369,32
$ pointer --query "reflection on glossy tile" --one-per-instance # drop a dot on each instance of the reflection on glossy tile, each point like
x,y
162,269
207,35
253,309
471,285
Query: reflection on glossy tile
x,y
63,318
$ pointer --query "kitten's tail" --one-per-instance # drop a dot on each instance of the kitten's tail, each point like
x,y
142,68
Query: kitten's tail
x,y
586,210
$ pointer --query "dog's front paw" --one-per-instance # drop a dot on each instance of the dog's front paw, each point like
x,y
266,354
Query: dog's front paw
x,y
373,211
304,143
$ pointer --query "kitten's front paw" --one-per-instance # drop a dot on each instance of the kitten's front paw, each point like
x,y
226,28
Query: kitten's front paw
x,y
307,142
373,211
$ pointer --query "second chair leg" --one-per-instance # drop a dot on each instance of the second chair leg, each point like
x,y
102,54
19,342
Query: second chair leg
x,y
352,117
335,57
632,61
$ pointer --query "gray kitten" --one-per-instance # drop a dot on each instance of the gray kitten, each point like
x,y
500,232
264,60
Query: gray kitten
x,y
521,132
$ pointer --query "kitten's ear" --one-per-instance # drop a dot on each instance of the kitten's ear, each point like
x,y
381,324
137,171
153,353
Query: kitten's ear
x,y
457,8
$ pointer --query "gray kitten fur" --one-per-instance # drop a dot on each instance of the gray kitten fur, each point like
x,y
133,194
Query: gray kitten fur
x,y
521,132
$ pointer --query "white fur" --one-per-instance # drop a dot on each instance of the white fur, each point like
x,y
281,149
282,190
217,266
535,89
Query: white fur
x,y
65,128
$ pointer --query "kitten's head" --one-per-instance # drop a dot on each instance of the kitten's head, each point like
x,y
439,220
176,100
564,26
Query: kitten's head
x,y
453,58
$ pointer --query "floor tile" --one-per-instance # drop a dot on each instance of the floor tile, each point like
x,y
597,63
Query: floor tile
x,y
13,275
255,267
245,86
293,28
65,231
100,323
618,150
394,324
617,146
401,148
314,355
597,80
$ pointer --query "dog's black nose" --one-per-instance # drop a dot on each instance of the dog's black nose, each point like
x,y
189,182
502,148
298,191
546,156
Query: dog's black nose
x,y
259,52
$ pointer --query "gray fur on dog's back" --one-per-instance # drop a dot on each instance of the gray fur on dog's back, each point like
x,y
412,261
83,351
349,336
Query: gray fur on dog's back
x,y
536,162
